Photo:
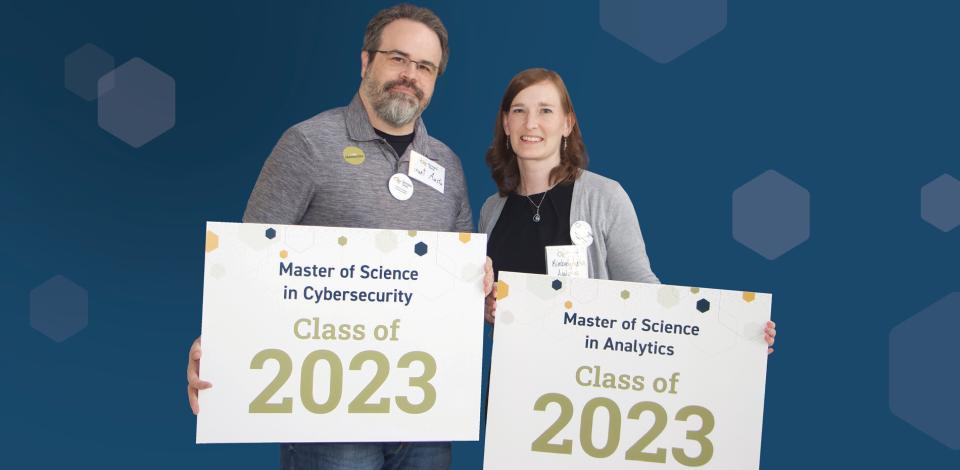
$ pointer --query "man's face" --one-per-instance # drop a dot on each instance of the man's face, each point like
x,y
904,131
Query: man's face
x,y
399,83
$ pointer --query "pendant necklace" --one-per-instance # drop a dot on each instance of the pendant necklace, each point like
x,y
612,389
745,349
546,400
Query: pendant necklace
x,y
536,216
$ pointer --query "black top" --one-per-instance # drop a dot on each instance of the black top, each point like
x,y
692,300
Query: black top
x,y
517,242
398,142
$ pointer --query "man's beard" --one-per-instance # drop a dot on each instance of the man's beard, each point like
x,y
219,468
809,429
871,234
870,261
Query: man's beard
x,y
396,108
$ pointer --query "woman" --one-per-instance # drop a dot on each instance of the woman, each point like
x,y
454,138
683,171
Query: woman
x,y
547,197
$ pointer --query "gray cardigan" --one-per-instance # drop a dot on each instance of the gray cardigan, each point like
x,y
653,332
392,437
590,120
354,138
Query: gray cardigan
x,y
617,251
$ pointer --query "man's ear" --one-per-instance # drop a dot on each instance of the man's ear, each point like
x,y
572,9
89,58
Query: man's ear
x,y
364,62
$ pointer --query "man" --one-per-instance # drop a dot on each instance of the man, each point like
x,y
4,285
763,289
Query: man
x,y
347,167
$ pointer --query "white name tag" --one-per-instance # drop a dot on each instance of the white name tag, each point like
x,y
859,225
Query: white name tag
x,y
426,171
567,260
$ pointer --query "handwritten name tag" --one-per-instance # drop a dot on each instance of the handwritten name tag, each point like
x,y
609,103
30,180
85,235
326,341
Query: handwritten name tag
x,y
567,260
426,171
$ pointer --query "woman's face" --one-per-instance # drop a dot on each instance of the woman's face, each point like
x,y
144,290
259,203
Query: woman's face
x,y
536,123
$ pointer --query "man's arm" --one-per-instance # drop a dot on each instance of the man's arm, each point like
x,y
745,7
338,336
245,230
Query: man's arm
x,y
287,183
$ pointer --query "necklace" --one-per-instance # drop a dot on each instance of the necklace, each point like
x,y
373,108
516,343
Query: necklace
x,y
536,216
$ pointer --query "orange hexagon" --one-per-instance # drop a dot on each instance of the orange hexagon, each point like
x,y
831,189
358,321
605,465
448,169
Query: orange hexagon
x,y
464,237
749,296
283,254
213,241
568,305
503,290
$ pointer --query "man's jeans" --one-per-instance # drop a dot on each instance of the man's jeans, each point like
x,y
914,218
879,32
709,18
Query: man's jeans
x,y
366,456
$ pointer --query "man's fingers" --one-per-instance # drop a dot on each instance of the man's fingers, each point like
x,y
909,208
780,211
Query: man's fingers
x,y
769,351
194,401
771,332
769,339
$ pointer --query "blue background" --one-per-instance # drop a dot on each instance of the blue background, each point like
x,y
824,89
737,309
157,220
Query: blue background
x,y
857,101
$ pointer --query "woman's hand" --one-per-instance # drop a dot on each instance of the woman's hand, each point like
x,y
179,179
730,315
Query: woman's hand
x,y
769,333
490,306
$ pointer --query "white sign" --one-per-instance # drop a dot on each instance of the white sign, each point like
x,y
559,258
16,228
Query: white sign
x,y
592,374
318,334
427,171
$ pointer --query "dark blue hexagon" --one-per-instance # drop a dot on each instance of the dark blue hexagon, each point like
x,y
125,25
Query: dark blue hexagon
x,y
271,233
924,379
771,214
557,285
703,305
58,308
420,248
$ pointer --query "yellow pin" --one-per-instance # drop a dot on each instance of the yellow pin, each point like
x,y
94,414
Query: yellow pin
x,y
353,155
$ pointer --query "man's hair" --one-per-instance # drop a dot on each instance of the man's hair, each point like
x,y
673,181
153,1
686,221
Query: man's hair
x,y
371,38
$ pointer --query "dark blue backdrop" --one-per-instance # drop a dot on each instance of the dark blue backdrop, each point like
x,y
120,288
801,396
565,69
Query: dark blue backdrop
x,y
857,101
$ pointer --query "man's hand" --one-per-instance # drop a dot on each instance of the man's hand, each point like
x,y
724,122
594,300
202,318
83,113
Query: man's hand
x,y
769,334
194,384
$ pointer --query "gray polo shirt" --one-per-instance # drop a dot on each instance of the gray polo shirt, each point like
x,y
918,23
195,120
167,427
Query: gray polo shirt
x,y
308,180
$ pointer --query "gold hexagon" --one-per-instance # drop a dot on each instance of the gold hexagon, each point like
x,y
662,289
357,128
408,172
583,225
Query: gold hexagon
x,y
342,241
213,241
464,237
503,290
695,290
568,305
624,294
749,296
412,233
283,254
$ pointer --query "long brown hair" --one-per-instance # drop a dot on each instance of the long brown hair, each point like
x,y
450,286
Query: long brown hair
x,y
501,159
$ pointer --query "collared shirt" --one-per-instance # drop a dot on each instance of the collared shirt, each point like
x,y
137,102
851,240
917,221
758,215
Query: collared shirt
x,y
307,179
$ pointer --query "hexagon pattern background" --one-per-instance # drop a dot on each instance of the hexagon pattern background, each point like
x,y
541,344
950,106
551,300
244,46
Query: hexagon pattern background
x,y
137,102
83,68
924,377
771,214
663,29
58,308
940,202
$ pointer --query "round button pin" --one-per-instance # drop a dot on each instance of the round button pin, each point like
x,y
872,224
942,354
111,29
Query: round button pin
x,y
354,155
401,187
581,233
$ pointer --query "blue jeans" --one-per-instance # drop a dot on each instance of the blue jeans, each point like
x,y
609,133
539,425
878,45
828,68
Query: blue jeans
x,y
366,456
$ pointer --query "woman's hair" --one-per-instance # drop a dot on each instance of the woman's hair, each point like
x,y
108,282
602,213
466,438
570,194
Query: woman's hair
x,y
500,157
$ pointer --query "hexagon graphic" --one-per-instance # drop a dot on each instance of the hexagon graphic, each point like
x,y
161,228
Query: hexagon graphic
x,y
213,241
270,233
252,236
140,105
420,248
924,379
771,214
668,296
58,308
749,296
503,290
342,241
624,294
940,203
464,237
663,29
386,241
541,287
556,284
82,70
703,305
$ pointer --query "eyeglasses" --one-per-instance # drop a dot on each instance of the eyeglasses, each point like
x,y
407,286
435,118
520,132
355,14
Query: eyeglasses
x,y
399,60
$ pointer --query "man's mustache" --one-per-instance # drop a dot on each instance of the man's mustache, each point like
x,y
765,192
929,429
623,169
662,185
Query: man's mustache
x,y
406,83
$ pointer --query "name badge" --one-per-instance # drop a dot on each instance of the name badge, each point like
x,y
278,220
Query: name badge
x,y
567,260
426,171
